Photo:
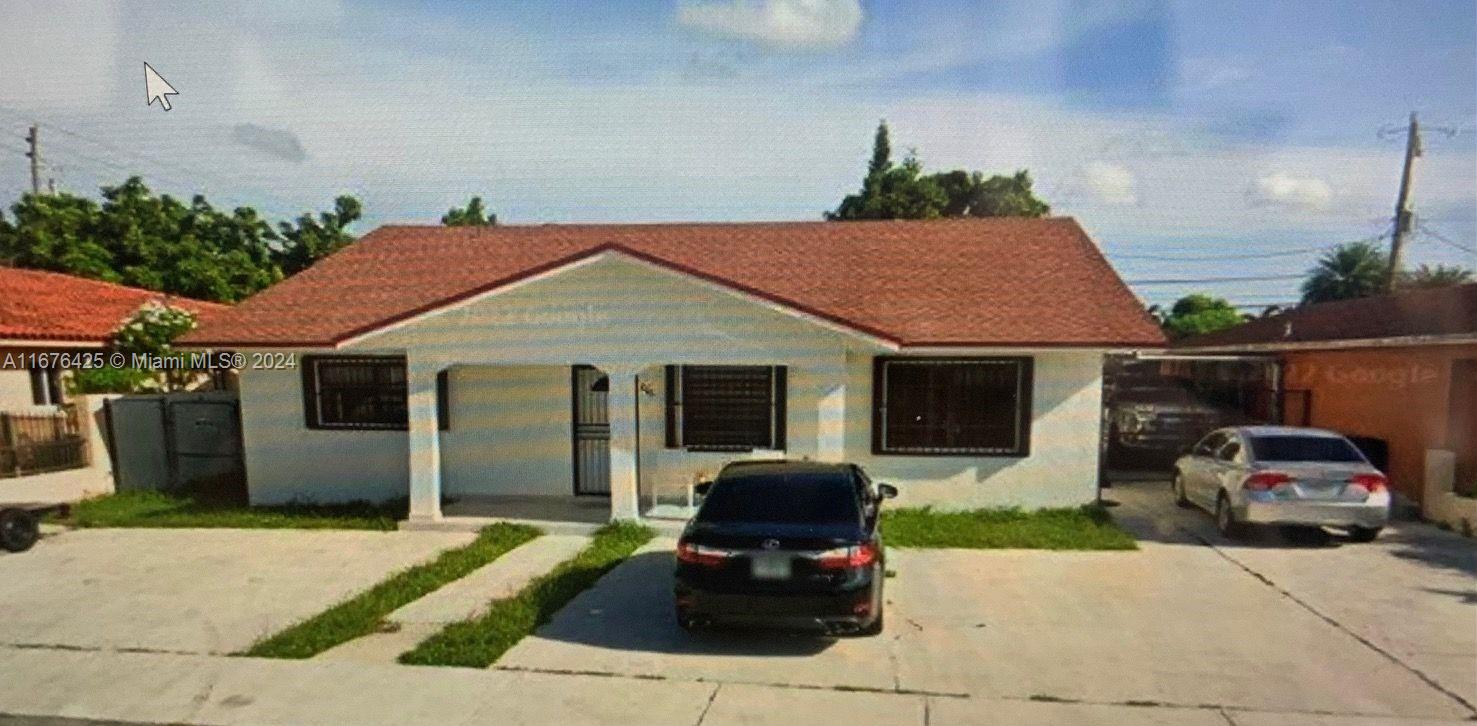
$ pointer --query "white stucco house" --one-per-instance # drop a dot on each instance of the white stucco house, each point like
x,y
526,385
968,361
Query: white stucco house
x,y
958,359
51,443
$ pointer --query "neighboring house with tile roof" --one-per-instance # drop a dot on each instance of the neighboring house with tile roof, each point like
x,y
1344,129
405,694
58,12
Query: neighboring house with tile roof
x,y
1400,368
959,359
44,313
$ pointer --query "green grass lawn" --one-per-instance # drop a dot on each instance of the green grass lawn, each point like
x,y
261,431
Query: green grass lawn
x,y
156,509
478,642
364,613
1083,528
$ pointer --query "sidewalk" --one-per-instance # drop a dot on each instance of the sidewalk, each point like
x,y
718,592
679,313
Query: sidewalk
x,y
165,688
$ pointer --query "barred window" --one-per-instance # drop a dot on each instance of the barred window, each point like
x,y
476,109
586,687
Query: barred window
x,y
951,406
726,408
363,392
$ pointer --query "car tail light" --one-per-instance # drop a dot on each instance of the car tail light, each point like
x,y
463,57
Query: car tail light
x,y
843,558
1264,480
1371,482
702,556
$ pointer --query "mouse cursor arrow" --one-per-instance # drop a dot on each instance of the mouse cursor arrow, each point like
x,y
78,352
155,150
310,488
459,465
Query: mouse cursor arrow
x,y
156,88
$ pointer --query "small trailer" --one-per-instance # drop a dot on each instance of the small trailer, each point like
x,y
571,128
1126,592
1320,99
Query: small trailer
x,y
20,523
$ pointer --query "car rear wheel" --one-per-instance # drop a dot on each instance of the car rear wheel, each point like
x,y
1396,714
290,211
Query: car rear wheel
x,y
1180,499
1225,518
1364,534
18,530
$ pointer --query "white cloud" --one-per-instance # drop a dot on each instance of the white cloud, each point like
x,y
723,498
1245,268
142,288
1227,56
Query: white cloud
x,y
1111,183
1280,189
812,24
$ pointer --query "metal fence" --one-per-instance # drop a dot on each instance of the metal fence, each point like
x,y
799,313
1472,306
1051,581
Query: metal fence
x,y
42,441
178,442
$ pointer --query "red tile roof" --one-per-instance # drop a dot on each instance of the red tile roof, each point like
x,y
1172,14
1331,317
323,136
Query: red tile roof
x,y
38,305
1002,281
1444,311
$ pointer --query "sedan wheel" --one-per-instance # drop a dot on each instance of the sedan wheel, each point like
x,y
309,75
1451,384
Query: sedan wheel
x,y
1364,534
1179,491
1225,518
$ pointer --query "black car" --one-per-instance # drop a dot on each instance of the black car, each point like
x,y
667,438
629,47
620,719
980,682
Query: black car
x,y
789,544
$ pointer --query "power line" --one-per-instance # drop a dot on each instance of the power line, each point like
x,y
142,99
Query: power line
x,y
1215,258
1447,241
138,157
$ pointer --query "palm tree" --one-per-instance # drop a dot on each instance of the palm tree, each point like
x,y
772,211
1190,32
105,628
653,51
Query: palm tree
x,y
1356,269
1427,276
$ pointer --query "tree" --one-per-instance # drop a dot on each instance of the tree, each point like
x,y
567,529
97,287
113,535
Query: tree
x,y
158,242
1349,271
149,334
904,192
1427,276
472,215
1198,314
308,240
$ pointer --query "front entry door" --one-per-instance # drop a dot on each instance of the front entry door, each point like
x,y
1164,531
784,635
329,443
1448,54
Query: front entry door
x,y
590,388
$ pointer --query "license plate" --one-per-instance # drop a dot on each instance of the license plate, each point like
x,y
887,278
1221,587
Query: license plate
x,y
771,567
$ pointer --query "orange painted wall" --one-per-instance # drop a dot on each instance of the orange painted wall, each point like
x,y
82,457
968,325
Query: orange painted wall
x,y
1401,395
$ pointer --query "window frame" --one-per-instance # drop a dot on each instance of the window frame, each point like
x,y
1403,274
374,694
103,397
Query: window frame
x,y
1025,377
312,404
676,406
46,387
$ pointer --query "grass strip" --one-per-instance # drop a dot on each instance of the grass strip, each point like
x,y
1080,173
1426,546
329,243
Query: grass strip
x,y
1082,528
365,613
157,509
480,641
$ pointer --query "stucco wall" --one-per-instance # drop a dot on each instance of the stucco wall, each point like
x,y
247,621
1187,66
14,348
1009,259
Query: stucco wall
x,y
1061,470
510,400
1401,395
15,389
510,431
286,461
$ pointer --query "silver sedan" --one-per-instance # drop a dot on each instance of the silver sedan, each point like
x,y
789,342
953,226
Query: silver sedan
x,y
1286,476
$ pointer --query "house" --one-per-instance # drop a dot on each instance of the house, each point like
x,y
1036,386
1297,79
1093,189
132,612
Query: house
x,y
48,321
959,359
48,316
1400,368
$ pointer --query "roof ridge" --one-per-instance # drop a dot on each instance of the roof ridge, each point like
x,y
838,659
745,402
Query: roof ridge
x,y
718,224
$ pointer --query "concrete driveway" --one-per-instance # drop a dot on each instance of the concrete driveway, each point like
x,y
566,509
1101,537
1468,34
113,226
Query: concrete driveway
x,y
1188,625
191,590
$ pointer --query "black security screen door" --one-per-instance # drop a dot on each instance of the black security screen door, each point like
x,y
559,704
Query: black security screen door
x,y
589,390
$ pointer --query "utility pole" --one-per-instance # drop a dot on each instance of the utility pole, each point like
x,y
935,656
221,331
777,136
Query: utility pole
x,y
33,142
1404,217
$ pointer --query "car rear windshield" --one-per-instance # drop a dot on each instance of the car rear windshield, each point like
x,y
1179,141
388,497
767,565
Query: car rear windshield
x,y
782,498
1303,448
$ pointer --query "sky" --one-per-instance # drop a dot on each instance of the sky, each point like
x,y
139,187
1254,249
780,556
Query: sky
x,y
1193,140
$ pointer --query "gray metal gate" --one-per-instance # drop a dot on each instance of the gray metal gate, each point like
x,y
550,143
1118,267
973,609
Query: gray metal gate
x,y
589,391
178,442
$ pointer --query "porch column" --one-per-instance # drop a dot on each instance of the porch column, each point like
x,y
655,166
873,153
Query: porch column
x,y
621,406
425,441
830,442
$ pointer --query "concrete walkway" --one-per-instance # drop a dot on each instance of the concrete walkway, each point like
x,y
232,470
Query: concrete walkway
x,y
460,600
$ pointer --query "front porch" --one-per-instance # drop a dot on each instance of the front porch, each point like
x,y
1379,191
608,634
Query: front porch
x,y
570,447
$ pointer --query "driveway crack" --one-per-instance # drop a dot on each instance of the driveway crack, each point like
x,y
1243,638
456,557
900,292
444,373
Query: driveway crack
x,y
1366,642
711,697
